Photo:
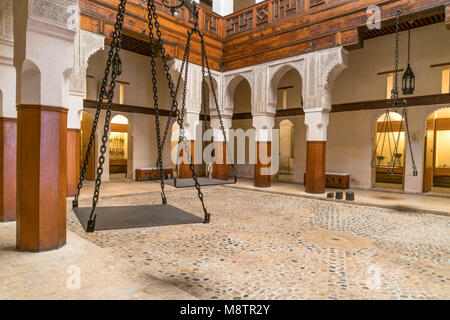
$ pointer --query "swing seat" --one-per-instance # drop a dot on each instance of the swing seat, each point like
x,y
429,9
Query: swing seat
x,y
190,183
129,217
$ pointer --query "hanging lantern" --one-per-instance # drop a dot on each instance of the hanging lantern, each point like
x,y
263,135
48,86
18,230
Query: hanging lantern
x,y
409,79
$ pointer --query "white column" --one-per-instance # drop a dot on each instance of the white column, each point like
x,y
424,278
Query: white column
x,y
7,70
86,44
223,7
316,124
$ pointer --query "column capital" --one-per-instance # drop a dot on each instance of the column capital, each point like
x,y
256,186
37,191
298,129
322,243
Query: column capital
x,y
322,69
86,44
264,123
316,121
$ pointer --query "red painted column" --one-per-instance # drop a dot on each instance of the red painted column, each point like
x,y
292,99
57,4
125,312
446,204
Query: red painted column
x,y
261,180
221,168
8,163
315,167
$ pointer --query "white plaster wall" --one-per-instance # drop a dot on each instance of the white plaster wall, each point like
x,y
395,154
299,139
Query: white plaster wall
x,y
361,82
349,146
136,70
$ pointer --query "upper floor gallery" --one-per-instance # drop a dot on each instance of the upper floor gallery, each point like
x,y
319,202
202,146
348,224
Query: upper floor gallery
x,y
248,32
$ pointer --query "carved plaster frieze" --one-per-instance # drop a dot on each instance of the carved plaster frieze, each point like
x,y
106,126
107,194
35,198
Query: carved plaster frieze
x,y
6,21
86,44
61,13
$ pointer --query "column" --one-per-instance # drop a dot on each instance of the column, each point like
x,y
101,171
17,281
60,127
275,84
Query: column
x,y
191,123
44,33
8,115
316,137
322,68
263,167
86,44
221,164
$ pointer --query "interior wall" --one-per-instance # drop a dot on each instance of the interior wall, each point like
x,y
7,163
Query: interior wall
x,y
361,82
242,98
136,70
294,94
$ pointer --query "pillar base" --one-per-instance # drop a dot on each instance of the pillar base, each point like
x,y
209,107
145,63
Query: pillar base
x,y
8,164
41,177
260,180
184,168
221,169
315,167
73,160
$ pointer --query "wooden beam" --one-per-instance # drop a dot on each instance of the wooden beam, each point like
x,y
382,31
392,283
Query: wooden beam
x,y
344,107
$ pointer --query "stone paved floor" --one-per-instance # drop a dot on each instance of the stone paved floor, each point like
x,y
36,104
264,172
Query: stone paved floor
x,y
51,275
435,202
269,246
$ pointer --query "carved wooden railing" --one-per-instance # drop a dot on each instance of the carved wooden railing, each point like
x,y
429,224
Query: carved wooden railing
x,y
209,21
258,15
268,11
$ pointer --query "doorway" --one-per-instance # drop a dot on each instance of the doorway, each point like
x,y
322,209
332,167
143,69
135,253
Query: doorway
x,y
286,171
390,159
437,153
119,148
86,127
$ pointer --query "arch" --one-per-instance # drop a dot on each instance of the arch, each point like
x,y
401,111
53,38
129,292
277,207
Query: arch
x,y
437,157
278,75
286,147
245,96
121,147
277,78
30,83
389,163
231,85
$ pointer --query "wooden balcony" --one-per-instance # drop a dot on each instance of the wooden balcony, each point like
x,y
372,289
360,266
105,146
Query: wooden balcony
x,y
267,31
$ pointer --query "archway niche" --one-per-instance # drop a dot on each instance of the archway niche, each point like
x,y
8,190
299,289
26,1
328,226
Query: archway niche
x,y
437,154
120,149
239,97
389,163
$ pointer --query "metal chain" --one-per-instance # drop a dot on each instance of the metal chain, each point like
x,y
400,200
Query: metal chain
x,y
152,9
116,70
103,92
216,103
395,105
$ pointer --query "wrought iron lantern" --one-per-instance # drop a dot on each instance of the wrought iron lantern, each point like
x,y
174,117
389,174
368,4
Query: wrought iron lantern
x,y
409,79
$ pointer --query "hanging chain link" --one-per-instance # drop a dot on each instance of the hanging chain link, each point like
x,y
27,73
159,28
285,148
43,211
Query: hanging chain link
x,y
216,103
153,17
398,107
113,67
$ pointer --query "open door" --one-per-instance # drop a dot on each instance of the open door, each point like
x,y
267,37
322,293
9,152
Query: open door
x,y
86,127
429,155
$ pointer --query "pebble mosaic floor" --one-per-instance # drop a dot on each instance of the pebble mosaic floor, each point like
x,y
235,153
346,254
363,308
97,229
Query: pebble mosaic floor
x,y
268,246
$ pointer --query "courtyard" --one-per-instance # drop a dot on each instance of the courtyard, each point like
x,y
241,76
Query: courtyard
x,y
263,246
